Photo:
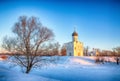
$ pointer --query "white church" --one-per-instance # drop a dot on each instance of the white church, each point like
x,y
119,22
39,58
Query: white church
x,y
75,47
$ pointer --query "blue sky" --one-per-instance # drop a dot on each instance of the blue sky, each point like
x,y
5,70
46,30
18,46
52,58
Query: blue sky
x,y
97,22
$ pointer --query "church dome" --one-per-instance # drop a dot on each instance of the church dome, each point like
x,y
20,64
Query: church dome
x,y
74,33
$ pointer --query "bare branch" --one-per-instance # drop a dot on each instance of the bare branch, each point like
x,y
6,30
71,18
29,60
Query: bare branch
x,y
30,34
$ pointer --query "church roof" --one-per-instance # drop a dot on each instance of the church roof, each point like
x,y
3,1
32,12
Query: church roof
x,y
74,33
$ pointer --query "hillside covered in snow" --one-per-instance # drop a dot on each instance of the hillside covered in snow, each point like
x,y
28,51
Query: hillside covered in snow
x,y
65,69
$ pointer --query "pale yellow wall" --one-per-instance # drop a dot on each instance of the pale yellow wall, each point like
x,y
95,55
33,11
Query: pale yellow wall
x,y
78,48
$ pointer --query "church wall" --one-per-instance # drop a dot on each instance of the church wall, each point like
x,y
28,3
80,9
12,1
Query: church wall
x,y
78,48
74,48
69,47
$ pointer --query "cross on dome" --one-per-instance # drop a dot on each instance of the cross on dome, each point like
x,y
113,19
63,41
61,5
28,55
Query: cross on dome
x,y
74,33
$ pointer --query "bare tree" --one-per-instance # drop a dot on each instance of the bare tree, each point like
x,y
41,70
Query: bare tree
x,y
52,49
86,49
117,50
56,48
63,50
8,44
30,34
117,58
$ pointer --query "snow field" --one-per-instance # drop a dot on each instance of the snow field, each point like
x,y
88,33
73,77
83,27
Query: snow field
x,y
66,68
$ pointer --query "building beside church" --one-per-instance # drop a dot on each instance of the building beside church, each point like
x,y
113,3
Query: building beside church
x,y
75,47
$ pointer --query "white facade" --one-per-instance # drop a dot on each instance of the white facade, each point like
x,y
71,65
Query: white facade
x,y
69,49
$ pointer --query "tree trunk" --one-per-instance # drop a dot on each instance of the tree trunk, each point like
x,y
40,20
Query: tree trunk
x,y
28,69
117,61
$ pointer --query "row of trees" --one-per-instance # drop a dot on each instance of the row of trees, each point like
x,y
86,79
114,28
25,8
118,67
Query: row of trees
x,y
114,52
95,51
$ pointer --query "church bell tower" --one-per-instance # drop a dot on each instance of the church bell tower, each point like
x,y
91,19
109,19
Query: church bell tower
x,y
74,36
77,45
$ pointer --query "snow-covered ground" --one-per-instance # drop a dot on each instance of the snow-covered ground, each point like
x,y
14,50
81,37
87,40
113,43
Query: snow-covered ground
x,y
10,74
66,69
